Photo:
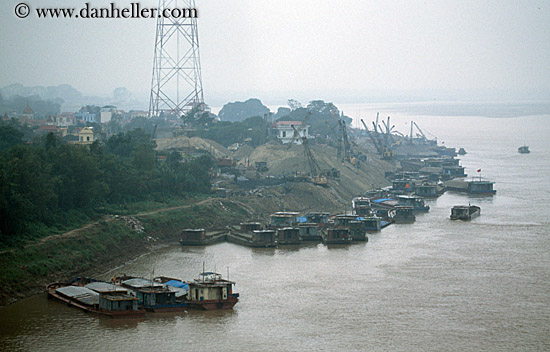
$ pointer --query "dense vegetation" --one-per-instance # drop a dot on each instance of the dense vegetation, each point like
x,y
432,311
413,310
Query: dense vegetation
x,y
48,186
322,119
227,133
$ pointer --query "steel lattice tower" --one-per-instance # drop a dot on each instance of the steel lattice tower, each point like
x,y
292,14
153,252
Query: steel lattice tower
x,y
176,86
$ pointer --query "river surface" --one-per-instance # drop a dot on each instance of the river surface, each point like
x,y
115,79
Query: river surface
x,y
435,285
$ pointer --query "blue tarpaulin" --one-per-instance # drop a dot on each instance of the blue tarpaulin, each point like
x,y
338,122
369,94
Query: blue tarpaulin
x,y
381,200
175,283
301,219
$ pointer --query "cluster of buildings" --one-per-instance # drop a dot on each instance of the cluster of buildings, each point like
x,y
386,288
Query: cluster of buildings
x,y
73,127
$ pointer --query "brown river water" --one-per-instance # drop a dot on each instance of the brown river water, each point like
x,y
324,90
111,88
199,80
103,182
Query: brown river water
x,y
435,285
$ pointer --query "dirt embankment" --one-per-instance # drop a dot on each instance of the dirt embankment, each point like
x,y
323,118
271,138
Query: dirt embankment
x,y
102,245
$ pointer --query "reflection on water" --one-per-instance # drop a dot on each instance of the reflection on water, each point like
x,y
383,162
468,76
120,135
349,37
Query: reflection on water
x,y
432,285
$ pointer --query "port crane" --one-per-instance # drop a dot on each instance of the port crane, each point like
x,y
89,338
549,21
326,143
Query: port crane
x,y
382,140
378,147
421,135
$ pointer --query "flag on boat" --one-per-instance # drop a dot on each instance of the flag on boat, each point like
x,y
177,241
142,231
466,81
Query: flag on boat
x,y
478,170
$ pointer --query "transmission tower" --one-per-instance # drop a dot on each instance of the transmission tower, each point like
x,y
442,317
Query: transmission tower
x,y
176,86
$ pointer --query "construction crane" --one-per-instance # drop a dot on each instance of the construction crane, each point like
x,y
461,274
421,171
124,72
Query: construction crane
x,y
347,147
378,147
419,130
314,168
337,136
296,133
420,135
382,140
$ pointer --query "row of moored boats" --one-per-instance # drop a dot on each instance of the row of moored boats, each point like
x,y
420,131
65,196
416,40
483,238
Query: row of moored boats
x,y
132,297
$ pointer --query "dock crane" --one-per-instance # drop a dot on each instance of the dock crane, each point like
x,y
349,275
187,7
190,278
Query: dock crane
x,y
378,147
422,135
382,140
314,168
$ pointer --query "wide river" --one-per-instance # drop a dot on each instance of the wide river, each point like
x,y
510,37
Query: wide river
x,y
435,285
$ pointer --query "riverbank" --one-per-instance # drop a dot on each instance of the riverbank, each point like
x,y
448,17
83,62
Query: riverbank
x,y
102,245
139,228
115,239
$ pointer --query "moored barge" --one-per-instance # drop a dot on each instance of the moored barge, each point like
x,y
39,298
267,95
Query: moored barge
x,y
211,292
96,297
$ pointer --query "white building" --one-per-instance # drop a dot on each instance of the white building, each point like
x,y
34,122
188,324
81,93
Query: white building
x,y
285,132
106,113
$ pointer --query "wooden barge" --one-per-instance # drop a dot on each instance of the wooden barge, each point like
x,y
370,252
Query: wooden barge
x,y
96,297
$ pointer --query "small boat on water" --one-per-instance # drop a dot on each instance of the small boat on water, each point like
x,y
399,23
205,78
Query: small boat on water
x,y
211,292
403,215
461,151
465,212
524,149
96,297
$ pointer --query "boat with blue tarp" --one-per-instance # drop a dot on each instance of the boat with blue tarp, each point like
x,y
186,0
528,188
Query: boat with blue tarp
x,y
156,296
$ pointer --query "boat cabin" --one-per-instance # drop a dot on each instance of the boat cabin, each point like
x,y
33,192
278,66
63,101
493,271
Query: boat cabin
x,y
250,226
403,185
372,223
454,171
288,235
264,238
427,190
309,232
112,297
317,218
416,202
357,231
338,235
210,291
192,237
117,301
361,206
480,187
344,220
283,219
360,201
403,215
151,294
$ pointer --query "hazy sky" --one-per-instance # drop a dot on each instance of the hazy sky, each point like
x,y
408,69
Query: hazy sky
x,y
349,51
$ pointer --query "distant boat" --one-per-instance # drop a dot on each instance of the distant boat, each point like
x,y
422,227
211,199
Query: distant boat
x,y
465,212
461,151
524,150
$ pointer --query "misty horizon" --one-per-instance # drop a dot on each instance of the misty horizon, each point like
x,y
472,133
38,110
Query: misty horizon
x,y
358,53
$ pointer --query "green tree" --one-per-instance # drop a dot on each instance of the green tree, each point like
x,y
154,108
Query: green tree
x,y
27,191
